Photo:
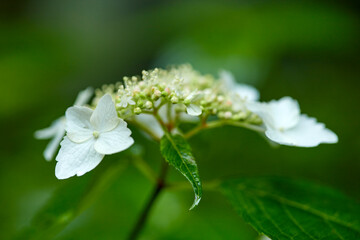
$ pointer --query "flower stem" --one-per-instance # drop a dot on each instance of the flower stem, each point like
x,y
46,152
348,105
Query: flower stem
x,y
220,123
161,122
145,129
145,212
194,131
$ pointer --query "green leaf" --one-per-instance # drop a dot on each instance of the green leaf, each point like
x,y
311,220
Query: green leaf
x,y
68,201
177,152
284,208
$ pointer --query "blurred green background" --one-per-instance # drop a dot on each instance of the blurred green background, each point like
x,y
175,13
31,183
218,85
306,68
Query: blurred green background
x,y
50,50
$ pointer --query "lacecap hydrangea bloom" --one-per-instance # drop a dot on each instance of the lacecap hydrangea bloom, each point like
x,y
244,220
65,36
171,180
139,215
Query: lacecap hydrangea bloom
x,y
91,134
285,125
160,100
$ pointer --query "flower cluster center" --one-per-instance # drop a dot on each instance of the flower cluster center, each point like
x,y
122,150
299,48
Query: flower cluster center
x,y
96,134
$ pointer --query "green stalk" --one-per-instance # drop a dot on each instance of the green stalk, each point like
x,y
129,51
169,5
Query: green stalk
x,y
140,223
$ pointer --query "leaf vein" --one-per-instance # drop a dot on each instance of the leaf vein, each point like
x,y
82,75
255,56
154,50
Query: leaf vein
x,y
305,208
179,152
261,206
333,228
288,213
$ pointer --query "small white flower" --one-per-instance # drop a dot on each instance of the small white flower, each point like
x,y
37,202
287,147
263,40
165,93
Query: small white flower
x,y
285,125
126,100
91,134
57,129
192,108
246,92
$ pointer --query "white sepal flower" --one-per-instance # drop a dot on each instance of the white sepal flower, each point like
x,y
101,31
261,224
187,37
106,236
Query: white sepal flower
x,y
285,125
192,108
91,134
246,92
125,101
57,129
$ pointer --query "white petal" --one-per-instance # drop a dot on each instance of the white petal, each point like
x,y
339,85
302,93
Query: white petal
x,y
53,145
188,118
150,123
307,133
264,112
114,141
285,112
76,158
247,92
277,114
105,116
84,96
131,102
227,79
78,126
122,104
125,100
194,96
51,131
193,110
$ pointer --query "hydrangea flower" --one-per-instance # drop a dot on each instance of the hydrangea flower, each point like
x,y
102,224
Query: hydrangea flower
x,y
91,134
56,131
285,125
163,99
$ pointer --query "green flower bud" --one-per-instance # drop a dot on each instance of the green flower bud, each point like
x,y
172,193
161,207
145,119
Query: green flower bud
x,y
239,116
148,104
140,103
156,95
174,99
164,93
221,114
187,101
137,110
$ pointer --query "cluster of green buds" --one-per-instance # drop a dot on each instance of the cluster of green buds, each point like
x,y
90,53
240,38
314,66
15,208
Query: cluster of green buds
x,y
185,89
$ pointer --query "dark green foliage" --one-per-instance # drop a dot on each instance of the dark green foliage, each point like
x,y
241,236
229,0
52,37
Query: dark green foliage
x,y
291,209
69,201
